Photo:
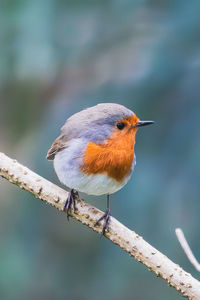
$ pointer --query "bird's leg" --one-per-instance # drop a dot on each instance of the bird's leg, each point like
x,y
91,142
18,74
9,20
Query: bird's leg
x,y
70,202
105,217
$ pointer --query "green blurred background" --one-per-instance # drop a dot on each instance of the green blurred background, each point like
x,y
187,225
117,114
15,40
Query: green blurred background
x,y
58,57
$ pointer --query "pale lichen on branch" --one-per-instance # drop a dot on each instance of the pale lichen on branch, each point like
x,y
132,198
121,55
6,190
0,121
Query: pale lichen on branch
x,y
125,238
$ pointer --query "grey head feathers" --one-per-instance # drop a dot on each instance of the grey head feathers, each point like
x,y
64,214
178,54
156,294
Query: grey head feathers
x,y
93,124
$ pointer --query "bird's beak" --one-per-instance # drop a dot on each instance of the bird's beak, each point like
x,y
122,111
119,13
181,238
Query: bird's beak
x,y
143,123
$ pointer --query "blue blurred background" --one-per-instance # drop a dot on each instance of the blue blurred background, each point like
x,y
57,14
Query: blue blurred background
x,y
58,57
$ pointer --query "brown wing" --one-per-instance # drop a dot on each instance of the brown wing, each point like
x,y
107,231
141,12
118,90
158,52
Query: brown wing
x,y
58,145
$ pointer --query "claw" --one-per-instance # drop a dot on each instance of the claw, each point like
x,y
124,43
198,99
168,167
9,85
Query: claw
x,y
70,202
106,218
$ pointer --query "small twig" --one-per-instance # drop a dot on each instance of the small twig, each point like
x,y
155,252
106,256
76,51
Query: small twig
x,y
125,238
186,248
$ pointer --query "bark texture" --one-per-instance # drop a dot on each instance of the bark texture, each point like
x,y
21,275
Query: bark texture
x,y
125,238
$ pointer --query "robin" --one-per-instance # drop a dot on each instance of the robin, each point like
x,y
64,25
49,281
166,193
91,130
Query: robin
x,y
95,154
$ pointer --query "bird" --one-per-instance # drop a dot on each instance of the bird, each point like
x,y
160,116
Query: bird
x,y
95,153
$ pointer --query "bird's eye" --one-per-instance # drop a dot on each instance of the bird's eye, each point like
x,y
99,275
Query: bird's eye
x,y
120,126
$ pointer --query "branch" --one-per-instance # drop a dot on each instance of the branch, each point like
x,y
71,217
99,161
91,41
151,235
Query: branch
x,y
186,248
125,238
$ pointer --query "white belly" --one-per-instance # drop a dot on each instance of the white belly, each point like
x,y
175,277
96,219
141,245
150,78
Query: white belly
x,y
66,164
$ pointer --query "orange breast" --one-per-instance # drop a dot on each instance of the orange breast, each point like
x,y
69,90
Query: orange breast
x,y
113,158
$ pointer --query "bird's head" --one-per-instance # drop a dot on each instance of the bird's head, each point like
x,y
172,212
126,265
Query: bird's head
x,y
113,121
103,121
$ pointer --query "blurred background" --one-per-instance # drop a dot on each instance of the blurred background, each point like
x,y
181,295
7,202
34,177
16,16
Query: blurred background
x,y
58,57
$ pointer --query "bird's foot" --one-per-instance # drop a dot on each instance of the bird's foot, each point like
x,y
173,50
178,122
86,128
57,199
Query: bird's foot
x,y
106,218
70,203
